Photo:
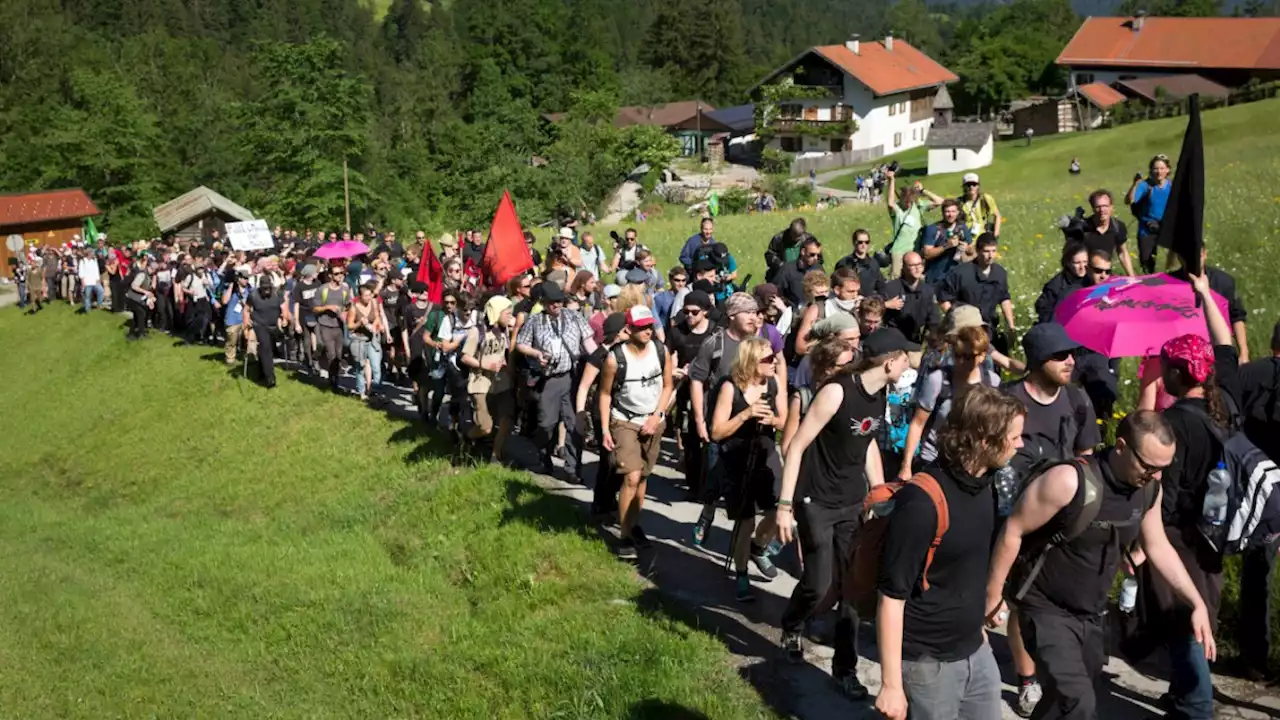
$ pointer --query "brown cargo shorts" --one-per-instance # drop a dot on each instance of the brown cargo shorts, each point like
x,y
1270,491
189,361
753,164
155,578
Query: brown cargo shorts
x,y
633,452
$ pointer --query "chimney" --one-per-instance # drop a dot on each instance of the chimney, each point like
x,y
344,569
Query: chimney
x,y
1138,19
854,43
888,42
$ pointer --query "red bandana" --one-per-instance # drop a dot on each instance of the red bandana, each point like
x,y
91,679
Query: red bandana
x,y
1191,353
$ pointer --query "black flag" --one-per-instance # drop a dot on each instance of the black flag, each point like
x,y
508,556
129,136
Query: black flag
x,y
1182,228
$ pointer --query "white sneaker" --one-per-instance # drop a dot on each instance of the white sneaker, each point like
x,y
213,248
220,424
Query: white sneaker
x,y
1028,697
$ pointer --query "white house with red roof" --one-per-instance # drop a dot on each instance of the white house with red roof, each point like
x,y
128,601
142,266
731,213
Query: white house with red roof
x,y
1228,51
879,99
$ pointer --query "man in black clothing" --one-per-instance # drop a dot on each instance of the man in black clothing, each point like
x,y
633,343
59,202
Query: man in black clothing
x,y
933,652
1222,283
1074,275
685,338
784,247
984,284
910,305
862,262
790,277
473,248
1107,232
1063,582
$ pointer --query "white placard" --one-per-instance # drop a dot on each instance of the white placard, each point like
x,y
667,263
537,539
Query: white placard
x,y
249,235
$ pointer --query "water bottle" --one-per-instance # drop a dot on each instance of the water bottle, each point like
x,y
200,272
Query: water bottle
x,y
1006,490
1215,497
1128,594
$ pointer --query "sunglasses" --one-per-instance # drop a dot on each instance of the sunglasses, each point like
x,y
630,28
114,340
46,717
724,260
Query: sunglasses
x,y
1148,470
1099,271
768,359
971,184
693,311
1061,356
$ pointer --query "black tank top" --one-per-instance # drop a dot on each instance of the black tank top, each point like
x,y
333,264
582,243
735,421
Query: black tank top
x,y
750,429
832,471
1077,576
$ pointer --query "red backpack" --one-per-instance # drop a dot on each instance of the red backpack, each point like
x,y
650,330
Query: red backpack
x,y
864,566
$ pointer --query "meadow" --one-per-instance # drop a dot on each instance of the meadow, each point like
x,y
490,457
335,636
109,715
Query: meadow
x,y
174,543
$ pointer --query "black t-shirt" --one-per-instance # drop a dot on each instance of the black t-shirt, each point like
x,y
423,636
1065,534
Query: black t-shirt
x,y
304,296
832,472
1198,451
265,311
1077,576
1068,425
944,623
393,301
414,318
1113,240
685,343
1259,384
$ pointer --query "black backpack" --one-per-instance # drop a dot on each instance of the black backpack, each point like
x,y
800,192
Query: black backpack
x,y
1091,484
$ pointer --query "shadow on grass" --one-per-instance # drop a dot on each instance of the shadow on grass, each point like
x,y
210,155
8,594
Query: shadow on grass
x,y
660,710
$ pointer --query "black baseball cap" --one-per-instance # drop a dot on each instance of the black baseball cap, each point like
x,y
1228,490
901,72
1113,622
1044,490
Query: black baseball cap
x,y
1045,340
885,341
697,298
613,324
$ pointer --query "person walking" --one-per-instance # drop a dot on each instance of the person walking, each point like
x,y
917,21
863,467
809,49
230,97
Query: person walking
x,y
556,341
331,310
1063,567
750,408
489,383
830,463
983,283
90,280
635,390
234,299
1148,196
367,328
268,313
1074,275
141,297
935,661
906,211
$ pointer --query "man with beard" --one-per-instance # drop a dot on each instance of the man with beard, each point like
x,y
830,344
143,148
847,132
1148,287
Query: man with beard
x,y
911,306
689,330
864,263
1074,275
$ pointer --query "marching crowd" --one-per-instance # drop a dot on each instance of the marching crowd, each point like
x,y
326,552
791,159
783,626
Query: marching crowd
x,y
869,410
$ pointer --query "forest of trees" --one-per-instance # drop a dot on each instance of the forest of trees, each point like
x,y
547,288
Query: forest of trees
x,y
436,107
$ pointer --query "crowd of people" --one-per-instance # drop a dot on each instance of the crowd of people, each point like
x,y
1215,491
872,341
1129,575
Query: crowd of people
x,y
792,403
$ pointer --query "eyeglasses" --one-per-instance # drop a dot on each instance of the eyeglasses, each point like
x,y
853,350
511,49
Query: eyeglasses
x,y
915,265
1148,470
1101,206
450,302
1061,356
862,242
1099,271
768,359
968,185
693,311
679,280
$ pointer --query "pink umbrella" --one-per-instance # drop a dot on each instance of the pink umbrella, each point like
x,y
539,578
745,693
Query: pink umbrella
x,y
341,249
1133,316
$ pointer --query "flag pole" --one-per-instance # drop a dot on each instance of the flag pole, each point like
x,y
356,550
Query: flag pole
x,y
346,192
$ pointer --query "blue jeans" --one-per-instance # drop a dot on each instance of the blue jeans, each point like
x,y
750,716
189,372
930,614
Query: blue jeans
x,y
22,294
91,292
1190,682
373,356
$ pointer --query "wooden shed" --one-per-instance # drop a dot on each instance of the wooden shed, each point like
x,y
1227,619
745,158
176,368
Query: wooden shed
x,y
196,214
52,217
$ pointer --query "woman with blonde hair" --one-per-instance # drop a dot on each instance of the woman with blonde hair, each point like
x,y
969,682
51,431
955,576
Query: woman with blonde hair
x,y
939,389
749,410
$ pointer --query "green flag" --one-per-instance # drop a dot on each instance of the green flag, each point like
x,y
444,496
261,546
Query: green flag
x,y
90,233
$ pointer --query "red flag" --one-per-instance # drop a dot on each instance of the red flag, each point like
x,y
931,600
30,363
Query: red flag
x,y
431,272
506,255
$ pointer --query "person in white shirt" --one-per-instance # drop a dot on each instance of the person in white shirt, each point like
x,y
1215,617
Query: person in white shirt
x,y
90,280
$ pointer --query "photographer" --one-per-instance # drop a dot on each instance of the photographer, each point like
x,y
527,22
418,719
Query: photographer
x,y
717,256
1147,198
978,208
704,237
625,249
947,243
906,210
1103,231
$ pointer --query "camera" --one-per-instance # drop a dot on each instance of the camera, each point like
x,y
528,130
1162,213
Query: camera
x,y
1074,227
617,239
894,167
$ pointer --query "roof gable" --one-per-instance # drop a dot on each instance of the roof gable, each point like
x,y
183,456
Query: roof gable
x,y
965,135
1169,42
189,206
888,71
39,207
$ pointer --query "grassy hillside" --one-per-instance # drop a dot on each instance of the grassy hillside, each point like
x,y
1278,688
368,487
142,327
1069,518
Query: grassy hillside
x,y
1032,187
172,545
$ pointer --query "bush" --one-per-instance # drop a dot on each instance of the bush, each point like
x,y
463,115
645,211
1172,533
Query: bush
x,y
736,201
788,194
774,161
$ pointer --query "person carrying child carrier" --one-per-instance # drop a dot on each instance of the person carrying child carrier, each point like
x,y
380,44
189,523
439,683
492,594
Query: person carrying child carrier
x,y
1073,525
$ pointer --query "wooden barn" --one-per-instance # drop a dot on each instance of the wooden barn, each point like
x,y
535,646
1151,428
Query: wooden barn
x,y
195,215
52,217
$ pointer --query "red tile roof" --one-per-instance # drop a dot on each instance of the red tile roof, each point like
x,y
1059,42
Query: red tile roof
x,y
1167,42
1173,87
888,71
1101,95
28,208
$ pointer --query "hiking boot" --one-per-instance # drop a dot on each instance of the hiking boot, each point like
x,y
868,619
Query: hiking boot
x,y
639,538
744,594
627,549
851,687
793,646
763,563
700,529
1028,697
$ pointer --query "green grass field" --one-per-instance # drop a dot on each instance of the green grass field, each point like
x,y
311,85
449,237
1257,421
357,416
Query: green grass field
x,y
172,545
1033,189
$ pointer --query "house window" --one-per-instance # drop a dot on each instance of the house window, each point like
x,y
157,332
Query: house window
x,y
790,144
1084,78
789,111
811,112
955,154
897,139
893,109
841,145
902,107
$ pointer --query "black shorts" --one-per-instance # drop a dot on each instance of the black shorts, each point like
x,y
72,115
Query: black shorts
x,y
754,489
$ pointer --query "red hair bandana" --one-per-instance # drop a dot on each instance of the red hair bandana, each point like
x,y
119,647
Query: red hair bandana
x,y
1191,353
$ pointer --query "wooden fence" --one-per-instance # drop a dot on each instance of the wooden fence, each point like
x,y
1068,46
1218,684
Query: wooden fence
x,y
831,161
